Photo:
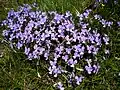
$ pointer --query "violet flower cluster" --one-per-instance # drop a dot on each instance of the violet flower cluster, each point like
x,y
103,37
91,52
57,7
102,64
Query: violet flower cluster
x,y
69,49
106,1
104,22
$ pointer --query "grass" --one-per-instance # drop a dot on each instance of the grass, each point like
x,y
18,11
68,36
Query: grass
x,y
17,73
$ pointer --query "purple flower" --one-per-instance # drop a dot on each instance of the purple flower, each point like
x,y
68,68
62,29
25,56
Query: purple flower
x,y
19,45
68,50
79,79
30,56
103,22
53,63
95,50
58,18
86,13
109,23
105,1
89,69
81,50
27,50
84,25
69,27
56,56
60,86
81,17
61,27
5,33
118,23
106,39
53,69
35,54
59,49
96,68
43,20
68,14
46,55
98,17
57,71
76,55
72,62
91,39
90,48
11,13
65,58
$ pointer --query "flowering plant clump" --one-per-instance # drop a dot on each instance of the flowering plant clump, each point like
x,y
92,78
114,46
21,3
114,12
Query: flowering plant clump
x,y
107,1
70,49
